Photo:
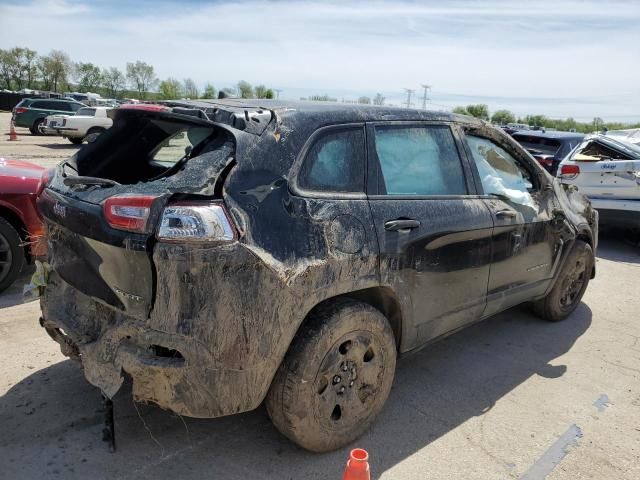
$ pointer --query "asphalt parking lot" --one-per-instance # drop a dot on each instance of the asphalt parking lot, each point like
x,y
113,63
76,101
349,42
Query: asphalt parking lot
x,y
512,397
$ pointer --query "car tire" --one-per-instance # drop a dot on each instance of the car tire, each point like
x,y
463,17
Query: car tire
x,y
566,294
35,128
75,140
336,376
12,256
93,133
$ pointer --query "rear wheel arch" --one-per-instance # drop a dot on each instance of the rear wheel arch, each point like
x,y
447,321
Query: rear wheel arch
x,y
16,222
382,299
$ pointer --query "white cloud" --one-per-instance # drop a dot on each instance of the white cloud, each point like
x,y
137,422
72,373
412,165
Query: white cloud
x,y
582,50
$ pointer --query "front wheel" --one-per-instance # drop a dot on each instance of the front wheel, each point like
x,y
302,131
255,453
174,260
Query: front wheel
x,y
335,378
11,254
570,285
76,140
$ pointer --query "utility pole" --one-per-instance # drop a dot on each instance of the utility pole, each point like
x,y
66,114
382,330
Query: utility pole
x,y
409,93
277,90
426,95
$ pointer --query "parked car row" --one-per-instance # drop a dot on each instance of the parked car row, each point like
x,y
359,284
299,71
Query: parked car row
x,y
85,125
605,167
68,118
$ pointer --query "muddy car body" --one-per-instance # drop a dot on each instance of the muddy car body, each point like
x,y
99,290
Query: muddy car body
x,y
303,247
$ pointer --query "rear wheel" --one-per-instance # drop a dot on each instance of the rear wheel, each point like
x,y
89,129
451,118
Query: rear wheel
x,y
93,133
11,254
35,128
570,285
336,376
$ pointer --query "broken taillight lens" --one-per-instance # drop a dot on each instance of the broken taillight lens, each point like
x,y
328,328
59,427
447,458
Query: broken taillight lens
x,y
128,212
569,171
197,222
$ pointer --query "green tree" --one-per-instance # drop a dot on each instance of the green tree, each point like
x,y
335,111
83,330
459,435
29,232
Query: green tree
x,y
537,121
190,88
209,91
378,99
460,110
364,100
229,91
479,110
245,89
170,89
269,94
142,77
54,70
113,81
88,76
502,117
18,67
260,91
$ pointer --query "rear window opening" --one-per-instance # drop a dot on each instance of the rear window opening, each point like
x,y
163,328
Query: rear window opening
x,y
538,145
596,151
141,148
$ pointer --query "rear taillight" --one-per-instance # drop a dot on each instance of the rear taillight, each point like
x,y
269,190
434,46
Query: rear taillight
x,y
569,171
128,212
19,110
196,222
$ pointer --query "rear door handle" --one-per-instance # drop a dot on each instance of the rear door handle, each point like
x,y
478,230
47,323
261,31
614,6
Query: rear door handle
x,y
506,213
401,224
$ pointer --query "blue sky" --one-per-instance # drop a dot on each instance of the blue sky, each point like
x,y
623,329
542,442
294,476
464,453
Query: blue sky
x,y
559,58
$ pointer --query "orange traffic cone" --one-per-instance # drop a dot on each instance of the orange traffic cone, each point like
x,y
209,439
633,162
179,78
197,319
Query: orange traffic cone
x,y
357,466
13,136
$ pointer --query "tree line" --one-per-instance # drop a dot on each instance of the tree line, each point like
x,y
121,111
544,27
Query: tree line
x,y
503,117
22,68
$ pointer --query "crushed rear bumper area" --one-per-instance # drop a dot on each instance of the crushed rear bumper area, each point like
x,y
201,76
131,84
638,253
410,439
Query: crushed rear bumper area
x,y
176,372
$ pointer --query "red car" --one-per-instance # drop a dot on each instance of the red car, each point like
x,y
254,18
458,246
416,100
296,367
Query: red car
x,y
21,230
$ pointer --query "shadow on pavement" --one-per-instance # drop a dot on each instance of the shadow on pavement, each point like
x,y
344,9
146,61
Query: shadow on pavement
x,y
60,146
618,246
13,295
52,423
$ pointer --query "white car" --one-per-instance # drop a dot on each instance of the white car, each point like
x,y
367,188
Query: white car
x,y
607,171
86,124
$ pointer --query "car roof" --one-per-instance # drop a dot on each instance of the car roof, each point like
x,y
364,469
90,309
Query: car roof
x,y
548,134
320,113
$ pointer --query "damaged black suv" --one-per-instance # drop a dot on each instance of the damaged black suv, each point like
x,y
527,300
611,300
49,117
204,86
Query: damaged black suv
x,y
223,253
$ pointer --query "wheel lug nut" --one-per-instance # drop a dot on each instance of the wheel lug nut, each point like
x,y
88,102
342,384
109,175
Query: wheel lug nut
x,y
337,379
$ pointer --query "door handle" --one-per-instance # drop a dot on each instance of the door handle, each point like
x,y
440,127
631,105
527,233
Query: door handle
x,y
506,213
401,224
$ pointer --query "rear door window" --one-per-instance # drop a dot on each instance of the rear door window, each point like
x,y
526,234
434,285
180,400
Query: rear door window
x,y
87,112
418,160
335,162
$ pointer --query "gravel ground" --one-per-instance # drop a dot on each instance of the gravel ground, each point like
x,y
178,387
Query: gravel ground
x,y
512,397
